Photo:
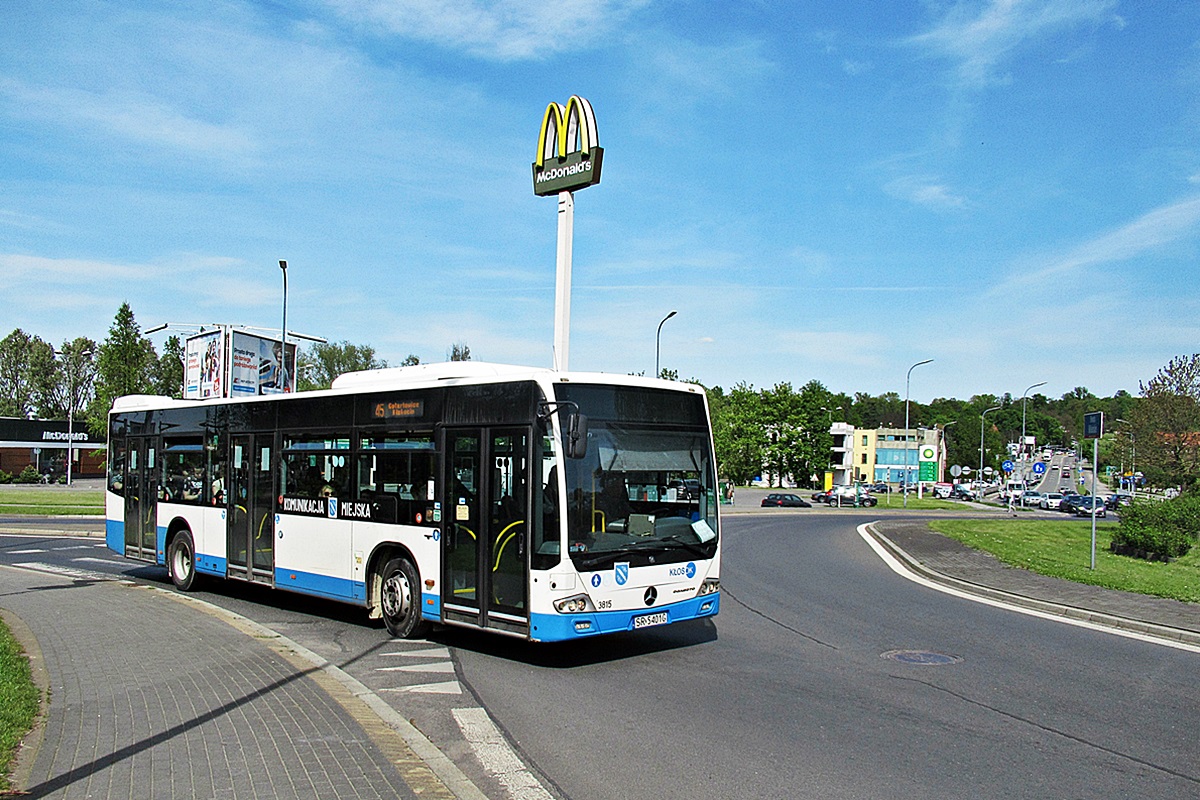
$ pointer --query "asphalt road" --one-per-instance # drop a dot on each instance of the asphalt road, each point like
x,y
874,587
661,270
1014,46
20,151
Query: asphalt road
x,y
825,675
797,690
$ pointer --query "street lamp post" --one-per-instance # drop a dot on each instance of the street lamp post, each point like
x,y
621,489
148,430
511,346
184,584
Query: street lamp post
x,y
657,341
1021,448
283,330
943,448
907,437
71,409
981,416
1132,460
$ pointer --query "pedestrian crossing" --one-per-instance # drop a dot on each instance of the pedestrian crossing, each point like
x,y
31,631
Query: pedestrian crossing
x,y
438,663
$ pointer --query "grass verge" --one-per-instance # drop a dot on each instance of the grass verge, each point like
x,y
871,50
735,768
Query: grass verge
x,y
51,501
1062,549
18,701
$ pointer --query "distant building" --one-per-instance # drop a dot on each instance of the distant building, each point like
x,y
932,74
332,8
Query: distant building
x,y
42,444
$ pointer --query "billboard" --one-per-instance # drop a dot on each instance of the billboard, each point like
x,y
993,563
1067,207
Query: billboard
x,y
204,366
258,366
228,363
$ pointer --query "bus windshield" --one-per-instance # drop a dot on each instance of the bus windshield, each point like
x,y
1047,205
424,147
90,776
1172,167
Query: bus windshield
x,y
642,494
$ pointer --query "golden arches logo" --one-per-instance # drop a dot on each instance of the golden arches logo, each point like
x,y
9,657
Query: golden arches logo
x,y
569,152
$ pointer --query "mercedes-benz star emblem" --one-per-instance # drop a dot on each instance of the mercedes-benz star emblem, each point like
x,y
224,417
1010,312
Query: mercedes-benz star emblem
x,y
651,596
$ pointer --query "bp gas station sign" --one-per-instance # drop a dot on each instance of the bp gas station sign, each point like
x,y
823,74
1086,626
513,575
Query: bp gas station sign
x,y
927,462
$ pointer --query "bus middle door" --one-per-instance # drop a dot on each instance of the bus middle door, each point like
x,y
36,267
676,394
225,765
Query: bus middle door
x,y
485,548
250,509
141,498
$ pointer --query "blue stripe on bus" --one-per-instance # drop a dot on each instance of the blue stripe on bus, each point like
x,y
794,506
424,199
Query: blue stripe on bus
x,y
319,585
560,627
114,535
210,565
431,607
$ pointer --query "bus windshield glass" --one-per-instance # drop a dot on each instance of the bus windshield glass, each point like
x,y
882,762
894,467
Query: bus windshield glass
x,y
645,492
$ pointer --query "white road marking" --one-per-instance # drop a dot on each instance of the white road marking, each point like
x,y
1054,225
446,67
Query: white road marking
x,y
496,756
446,687
441,666
428,652
26,552
68,572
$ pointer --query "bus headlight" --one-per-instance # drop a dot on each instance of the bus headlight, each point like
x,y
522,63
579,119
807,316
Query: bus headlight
x,y
709,586
574,604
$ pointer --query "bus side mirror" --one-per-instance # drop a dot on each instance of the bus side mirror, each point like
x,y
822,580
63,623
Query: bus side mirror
x,y
575,433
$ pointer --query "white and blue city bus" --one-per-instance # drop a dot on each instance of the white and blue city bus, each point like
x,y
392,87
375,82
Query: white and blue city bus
x,y
541,504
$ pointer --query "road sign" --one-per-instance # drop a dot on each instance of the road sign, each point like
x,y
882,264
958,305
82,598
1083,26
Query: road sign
x,y
956,470
1039,468
1007,466
1093,425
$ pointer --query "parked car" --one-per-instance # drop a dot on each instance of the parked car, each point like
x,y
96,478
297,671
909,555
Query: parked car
x,y
962,492
850,495
1051,501
821,496
1093,506
785,501
880,488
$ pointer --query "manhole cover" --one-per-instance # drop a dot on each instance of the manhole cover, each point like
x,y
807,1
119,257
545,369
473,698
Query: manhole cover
x,y
922,657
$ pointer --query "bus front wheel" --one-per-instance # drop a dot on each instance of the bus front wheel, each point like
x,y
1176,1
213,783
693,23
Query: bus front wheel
x,y
400,599
181,561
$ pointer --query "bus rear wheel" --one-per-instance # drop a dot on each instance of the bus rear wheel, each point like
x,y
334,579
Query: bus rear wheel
x,y
400,599
181,561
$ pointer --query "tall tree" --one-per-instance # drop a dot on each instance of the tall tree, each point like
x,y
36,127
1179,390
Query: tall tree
x,y
22,367
324,361
123,366
459,351
1166,423
738,432
167,371
73,387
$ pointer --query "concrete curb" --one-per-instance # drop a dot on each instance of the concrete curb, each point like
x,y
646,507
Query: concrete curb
x,y
1046,607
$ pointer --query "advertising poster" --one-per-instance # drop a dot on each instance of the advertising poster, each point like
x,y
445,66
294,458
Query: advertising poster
x,y
259,366
204,370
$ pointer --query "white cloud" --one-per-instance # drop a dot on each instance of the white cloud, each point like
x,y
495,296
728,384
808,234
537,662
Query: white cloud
x,y
1147,233
503,30
135,117
979,38
923,190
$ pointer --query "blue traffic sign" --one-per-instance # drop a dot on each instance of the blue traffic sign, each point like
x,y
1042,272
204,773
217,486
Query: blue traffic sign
x,y
1039,468
1007,466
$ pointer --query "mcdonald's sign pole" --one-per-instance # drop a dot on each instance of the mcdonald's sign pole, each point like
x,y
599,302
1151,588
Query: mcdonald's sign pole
x,y
568,158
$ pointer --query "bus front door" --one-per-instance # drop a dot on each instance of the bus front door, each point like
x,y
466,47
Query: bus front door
x,y
486,528
141,499
249,509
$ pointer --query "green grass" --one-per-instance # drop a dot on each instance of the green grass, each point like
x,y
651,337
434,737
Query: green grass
x,y
920,504
18,701
1063,550
50,500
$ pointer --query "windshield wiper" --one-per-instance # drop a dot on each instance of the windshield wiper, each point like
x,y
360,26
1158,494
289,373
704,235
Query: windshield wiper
x,y
664,544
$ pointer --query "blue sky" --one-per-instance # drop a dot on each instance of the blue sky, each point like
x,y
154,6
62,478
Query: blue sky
x,y
823,190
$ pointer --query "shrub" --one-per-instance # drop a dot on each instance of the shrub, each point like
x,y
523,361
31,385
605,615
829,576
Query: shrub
x,y
29,475
1168,528
5,477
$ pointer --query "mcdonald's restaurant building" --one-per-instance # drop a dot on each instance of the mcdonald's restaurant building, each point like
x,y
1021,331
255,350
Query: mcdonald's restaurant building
x,y
42,444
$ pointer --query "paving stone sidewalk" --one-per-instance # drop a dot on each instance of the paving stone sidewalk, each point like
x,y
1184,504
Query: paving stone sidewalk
x,y
153,699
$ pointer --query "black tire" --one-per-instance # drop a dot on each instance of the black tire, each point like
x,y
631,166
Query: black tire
x,y
181,561
400,599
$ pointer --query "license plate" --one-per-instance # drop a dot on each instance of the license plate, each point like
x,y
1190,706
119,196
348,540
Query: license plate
x,y
646,620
